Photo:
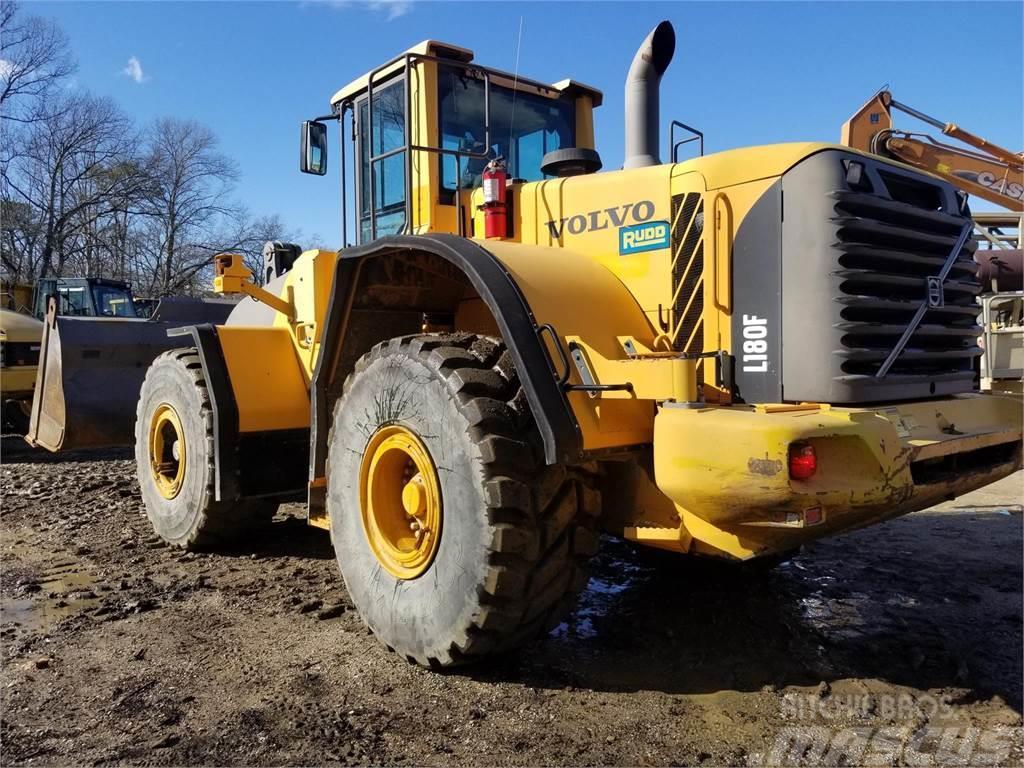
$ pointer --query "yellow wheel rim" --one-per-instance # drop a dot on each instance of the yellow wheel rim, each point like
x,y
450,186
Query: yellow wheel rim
x,y
400,500
167,451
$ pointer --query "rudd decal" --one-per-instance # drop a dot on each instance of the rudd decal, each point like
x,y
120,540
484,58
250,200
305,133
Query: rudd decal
x,y
643,237
594,221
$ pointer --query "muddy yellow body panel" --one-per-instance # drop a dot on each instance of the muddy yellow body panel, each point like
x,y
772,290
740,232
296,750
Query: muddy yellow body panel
x,y
873,464
563,288
267,379
20,336
18,382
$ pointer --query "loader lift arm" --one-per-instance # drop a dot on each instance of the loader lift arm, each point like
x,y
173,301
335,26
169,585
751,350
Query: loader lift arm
x,y
987,170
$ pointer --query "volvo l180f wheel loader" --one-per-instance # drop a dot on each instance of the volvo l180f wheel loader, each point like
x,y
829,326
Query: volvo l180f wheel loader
x,y
728,356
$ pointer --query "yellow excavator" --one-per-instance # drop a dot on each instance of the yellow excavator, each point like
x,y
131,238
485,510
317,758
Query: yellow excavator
x,y
986,170
726,357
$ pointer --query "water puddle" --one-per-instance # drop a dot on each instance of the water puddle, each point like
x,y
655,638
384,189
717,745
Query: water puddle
x,y
71,590
612,578
843,617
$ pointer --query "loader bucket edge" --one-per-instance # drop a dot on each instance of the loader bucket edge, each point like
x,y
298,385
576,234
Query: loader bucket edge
x,y
90,373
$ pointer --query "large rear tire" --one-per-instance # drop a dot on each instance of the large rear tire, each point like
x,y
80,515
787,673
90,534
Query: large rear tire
x,y
174,457
499,541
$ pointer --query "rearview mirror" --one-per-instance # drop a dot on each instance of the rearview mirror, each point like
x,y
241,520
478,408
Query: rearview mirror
x,y
313,158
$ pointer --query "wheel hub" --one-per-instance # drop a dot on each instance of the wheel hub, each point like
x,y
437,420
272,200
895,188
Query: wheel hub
x,y
400,499
167,451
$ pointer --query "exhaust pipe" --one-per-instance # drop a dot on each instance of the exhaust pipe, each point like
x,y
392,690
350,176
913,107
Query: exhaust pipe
x,y
642,120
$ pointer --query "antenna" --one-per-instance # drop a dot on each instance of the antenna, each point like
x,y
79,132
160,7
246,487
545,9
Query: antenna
x,y
515,82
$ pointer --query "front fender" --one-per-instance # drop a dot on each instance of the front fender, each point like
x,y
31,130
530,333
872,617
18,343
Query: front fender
x,y
524,287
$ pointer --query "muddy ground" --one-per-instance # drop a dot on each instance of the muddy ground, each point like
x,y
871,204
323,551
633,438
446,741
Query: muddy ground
x,y
895,644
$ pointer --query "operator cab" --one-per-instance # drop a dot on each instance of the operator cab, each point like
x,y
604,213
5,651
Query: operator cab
x,y
84,297
437,120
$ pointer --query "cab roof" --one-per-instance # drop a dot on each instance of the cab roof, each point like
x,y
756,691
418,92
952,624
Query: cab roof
x,y
453,53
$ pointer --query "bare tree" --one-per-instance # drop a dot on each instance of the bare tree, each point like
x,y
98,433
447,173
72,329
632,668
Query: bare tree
x,y
69,171
34,57
191,181
82,193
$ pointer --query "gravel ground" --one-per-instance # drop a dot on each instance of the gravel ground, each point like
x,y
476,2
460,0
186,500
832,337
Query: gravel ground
x,y
898,644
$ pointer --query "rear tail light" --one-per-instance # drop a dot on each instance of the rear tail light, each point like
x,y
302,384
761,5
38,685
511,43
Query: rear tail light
x,y
803,461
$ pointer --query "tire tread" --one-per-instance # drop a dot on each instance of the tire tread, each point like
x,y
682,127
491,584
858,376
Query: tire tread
x,y
219,522
537,513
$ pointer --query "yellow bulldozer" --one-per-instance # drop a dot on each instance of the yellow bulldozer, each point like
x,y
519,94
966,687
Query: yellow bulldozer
x,y
728,356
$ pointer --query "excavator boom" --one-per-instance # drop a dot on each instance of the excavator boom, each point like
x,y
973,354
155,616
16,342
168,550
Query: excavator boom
x,y
988,170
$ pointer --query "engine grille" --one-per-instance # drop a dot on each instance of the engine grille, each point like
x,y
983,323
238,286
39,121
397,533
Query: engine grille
x,y
18,353
688,272
886,249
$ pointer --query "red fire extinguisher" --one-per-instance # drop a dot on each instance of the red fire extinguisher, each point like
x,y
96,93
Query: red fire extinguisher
x,y
494,177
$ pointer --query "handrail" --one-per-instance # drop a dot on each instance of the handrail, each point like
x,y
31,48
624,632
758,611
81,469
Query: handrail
x,y
674,145
716,225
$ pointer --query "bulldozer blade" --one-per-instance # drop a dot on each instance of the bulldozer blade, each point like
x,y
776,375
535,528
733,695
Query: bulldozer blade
x,y
91,371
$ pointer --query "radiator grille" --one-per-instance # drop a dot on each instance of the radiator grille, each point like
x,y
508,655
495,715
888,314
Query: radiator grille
x,y
688,272
18,353
886,250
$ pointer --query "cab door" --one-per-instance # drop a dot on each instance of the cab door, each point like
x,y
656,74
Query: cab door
x,y
380,147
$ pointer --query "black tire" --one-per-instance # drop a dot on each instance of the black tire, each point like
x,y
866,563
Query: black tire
x,y
516,534
15,417
192,519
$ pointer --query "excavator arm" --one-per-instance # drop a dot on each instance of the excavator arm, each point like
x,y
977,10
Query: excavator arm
x,y
986,169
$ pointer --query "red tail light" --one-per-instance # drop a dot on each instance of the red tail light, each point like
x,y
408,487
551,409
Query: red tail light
x,y
803,462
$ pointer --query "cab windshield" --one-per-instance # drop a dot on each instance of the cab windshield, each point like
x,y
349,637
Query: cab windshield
x,y
524,127
113,301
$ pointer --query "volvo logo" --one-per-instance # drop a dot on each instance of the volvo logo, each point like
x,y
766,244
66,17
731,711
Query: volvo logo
x,y
936,293
593,221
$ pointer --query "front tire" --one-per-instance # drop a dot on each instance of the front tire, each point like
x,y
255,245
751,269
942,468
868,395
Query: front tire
x,y
174,457
513,535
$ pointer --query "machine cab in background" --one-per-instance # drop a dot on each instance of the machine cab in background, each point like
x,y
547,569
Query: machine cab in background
x,y
425,125
84,297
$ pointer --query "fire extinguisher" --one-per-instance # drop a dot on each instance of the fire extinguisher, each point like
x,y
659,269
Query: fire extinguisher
x,y
494,177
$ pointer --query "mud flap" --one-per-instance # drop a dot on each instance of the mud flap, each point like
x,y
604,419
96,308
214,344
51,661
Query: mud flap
x,y
91,370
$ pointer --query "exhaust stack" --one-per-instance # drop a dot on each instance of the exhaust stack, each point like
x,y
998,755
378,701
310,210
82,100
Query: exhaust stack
x,y
642,119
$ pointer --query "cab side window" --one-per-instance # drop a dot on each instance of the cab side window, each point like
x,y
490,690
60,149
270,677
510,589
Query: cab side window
x,y
388,173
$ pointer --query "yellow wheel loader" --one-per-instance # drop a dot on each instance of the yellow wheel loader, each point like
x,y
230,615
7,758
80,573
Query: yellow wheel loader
x,y
728,356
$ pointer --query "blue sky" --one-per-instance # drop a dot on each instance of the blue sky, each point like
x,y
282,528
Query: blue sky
x,y
744,73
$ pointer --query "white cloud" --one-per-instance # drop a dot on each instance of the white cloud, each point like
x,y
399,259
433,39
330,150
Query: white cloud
x,y
134,70
5,69
393,8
